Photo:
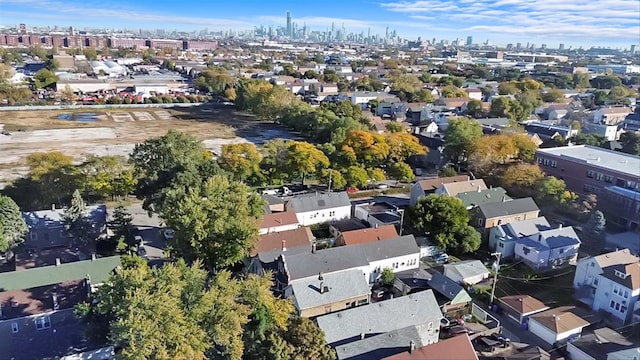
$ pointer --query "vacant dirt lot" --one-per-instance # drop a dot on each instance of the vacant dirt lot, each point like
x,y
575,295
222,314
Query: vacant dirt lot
x,y
116,131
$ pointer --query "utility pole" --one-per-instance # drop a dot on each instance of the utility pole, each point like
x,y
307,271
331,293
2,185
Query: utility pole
x,y
401,221
330,173
496,268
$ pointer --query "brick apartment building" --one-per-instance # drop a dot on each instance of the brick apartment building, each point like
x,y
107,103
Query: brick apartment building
x,y
613,176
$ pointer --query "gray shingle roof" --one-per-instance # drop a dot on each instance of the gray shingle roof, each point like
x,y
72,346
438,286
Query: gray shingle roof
x,y
448,288
384,345
467,268
53,218
516,206
319,201
373,319
551,239
326,261
476,198
527,227
342,285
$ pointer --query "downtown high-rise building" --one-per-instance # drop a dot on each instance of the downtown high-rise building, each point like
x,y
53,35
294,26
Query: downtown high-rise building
x,y
289,28
469,40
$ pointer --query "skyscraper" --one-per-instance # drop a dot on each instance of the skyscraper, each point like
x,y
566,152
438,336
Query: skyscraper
x,y
289,24
561,47
469,40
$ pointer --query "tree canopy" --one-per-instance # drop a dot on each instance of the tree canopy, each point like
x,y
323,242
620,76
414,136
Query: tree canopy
x,y
460,138
12,225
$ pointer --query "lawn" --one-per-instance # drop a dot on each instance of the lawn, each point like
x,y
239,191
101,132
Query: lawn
x,y
553,288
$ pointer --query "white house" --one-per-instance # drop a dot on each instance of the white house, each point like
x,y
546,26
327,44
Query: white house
x,y
474,94
548,249
618,291
588,269
556,325
316,208
609,132
503,238
603,343
466,272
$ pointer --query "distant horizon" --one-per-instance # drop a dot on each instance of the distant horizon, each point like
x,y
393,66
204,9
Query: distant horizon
x,y
606,23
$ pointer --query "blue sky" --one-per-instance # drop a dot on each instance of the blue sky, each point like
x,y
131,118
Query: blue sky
x,y
614,23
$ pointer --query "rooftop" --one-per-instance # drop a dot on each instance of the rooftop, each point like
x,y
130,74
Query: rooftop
x,y
342,285
348,225
430,185
512,207
319,201
560,319
523,304
448,288
53,218
554,238
524,228
19,303
467,268
601,342
98,270
274,242
456,188
382,317
277,219
618,257
613,160
367,235
627,275
475,198
384,345
454,348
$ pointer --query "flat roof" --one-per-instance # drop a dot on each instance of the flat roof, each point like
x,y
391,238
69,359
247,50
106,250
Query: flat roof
x,y
613,160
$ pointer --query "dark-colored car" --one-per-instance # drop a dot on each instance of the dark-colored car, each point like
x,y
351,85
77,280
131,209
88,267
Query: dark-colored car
x,y
377,294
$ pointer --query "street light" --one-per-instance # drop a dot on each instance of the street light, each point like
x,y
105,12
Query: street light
x,y
496,268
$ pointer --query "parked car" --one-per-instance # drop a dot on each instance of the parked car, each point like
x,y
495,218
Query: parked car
x,y
138,240
377,294
504,341
383,186
441,258
168,234
352,190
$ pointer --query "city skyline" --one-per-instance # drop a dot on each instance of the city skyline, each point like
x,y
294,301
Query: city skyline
x,y
610,23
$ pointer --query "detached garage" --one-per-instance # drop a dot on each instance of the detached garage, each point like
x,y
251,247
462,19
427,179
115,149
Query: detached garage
x,y
557,324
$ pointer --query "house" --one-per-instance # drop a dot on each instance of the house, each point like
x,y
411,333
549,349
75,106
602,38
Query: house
x,y
467,272
472,199
277,222
274,203
393,110
488,215
557,324
270,246
611,115
451,294
366,235
618,291
454,348
455,188
589,268
603,343
492,126
36,307
429,186
613,176
366,321
503,238
385,344
474,94
609,132
546,131
378,213
454,104
398,254
327,293
46,227
318,208
549,249
520,307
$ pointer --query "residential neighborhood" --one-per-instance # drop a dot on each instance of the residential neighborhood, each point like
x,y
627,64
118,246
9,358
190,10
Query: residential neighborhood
x,y
289,193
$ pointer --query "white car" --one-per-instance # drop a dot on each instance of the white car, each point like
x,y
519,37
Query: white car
x,y
138,239
169,234
383,186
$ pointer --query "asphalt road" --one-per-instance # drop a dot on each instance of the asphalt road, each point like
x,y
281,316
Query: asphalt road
x,y
151,231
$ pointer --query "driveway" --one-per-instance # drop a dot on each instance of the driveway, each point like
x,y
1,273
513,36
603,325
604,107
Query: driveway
x,y
150,229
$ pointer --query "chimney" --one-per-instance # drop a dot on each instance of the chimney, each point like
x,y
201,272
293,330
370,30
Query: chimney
x,y
284,245
57,261
412,346
321,287
313,248
93,256
53,207
361,336
320,277
479,189
559,226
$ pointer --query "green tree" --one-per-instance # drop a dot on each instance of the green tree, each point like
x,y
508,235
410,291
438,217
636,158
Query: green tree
x,y
553,95
12,225
215,80
400,171
447,171
356,176
304,158
596,225
500,106
44,78
581,81
387,276
120,224
173,160
306,341
521,179
394,127
337,179
242,160
630,143
90,53
444,219
460,137
76,221
553,189
376,175
475,109
525,146
214,221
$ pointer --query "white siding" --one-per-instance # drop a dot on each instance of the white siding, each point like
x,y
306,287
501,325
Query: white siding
x,y
542,332
577,354
416,192
586,271
407,262
325,215
281,228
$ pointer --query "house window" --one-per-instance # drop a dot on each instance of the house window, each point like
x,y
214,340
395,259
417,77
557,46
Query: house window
x,y
500,245
590,174
480,222
554,164
599,176
561,251
332,213
14,327
612,304
43,322
608,179
623,309
615,290
626,294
